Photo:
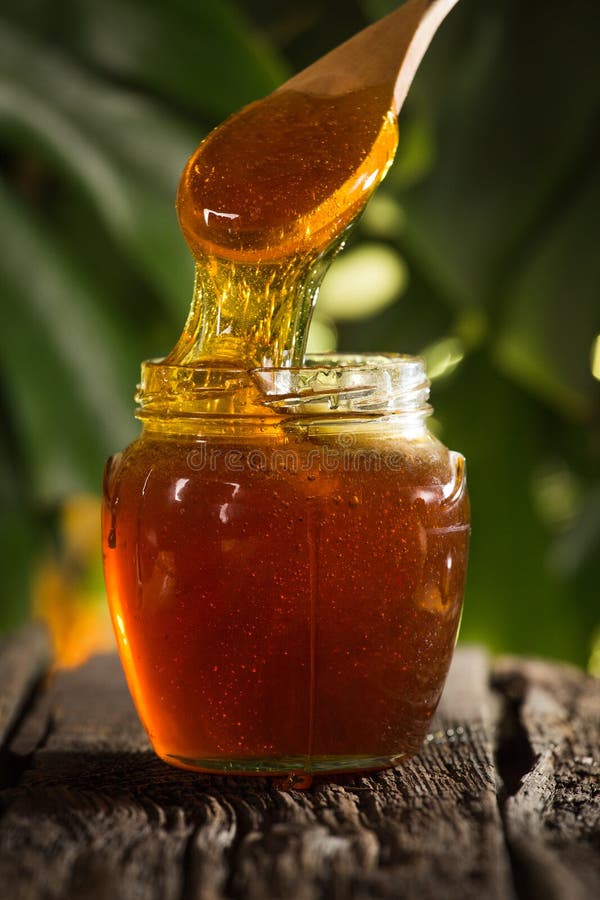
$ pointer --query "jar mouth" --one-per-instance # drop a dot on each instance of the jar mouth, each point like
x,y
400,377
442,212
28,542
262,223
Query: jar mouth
x,y
347,382
327,384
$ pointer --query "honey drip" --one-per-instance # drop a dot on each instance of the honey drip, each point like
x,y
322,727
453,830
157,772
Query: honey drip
x,y
264,204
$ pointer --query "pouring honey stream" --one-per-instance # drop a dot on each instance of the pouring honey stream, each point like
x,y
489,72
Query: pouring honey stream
x,y
264,204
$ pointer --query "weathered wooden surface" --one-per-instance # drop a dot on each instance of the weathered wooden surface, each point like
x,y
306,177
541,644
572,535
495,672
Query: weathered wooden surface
x,y
553,819
502,802
24,659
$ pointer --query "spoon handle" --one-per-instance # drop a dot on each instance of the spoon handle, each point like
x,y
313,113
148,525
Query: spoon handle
x,y
388,52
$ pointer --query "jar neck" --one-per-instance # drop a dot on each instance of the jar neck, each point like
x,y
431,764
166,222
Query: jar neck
x,y
337,392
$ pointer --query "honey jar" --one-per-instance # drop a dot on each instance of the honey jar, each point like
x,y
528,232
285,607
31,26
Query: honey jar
x,y
285,555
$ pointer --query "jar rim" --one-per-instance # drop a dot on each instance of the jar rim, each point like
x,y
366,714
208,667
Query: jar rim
x,y
327,384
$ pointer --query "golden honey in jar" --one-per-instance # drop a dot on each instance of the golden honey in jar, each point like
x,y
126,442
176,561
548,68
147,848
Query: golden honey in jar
x,y
286,542
285,556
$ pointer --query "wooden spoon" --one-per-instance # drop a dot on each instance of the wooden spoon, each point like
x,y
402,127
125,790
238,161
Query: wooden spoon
x,y
387,52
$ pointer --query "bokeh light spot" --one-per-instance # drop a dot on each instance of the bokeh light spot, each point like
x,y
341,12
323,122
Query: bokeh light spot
x,y
322,337
442,358
596,358
362,282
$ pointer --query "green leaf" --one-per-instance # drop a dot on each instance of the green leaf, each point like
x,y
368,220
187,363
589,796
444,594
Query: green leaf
x,y
200,54
418,318
512,94
122,151
19,535
552,310
580,545
516,601
67,365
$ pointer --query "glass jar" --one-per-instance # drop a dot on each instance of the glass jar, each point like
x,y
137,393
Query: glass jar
x,y
285,556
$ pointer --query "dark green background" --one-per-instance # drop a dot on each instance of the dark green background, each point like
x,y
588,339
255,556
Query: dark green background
x,y
498,185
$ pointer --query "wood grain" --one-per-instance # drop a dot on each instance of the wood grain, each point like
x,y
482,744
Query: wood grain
x,y
477,814
553,818
24,660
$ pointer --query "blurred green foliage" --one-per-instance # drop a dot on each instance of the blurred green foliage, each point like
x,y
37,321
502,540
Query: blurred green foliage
x,y
492,209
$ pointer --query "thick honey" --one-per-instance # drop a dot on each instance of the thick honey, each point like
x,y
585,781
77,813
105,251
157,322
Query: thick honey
x,y
285,612
285,175
263,204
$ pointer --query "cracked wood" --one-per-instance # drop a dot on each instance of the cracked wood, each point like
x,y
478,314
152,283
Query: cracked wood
x,y
502,802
